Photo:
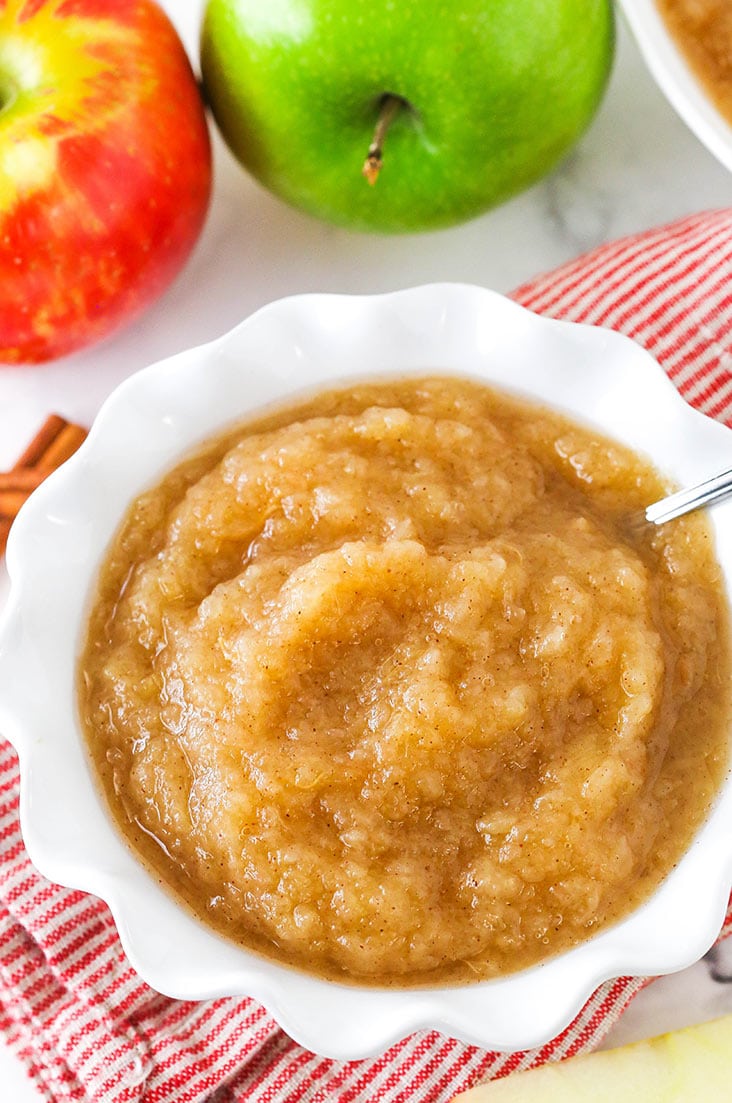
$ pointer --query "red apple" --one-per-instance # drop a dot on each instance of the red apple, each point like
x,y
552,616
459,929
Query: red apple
x,y
105,169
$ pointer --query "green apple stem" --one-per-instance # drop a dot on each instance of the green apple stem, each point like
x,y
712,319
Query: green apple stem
x,y
390,106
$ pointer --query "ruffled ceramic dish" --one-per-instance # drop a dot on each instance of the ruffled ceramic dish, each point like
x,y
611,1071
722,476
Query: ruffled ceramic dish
x,y
154,418
677,80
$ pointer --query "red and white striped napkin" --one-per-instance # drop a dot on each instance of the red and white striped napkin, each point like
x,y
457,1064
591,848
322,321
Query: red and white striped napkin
x,y
71,1005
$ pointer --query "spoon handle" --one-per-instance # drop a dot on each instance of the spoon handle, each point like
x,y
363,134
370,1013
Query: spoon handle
x,y
676,505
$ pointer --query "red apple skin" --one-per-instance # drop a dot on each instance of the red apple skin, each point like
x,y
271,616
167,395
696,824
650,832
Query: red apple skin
x,y
105,169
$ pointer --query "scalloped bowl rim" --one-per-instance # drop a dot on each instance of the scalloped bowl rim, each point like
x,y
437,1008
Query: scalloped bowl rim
x,y
677,80
286,349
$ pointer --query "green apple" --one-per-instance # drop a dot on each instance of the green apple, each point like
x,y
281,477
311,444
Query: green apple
x,y
466,102
686,1066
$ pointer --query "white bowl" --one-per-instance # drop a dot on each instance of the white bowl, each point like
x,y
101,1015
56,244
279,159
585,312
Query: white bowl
x,y
154,418
677,80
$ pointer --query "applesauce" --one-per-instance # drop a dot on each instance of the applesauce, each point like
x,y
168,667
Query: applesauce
x,y
703,30
386,686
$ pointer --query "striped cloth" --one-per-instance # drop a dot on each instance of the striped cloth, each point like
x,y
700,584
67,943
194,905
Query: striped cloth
x,y
72,1007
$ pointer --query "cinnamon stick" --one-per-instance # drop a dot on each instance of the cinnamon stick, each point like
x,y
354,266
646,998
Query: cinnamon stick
x,y
53,444
5,523
62,447
11,502
43,439
22,478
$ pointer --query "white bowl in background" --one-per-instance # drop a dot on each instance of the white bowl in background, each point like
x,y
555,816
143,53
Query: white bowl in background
x,y
676,78
150,422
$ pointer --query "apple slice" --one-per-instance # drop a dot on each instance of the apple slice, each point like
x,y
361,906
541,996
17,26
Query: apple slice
x,y
684,1066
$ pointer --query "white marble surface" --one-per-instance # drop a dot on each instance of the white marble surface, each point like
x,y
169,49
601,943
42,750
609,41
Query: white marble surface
x,y
637,167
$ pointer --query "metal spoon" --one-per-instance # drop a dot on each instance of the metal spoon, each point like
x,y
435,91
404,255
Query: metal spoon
x,y
675,505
